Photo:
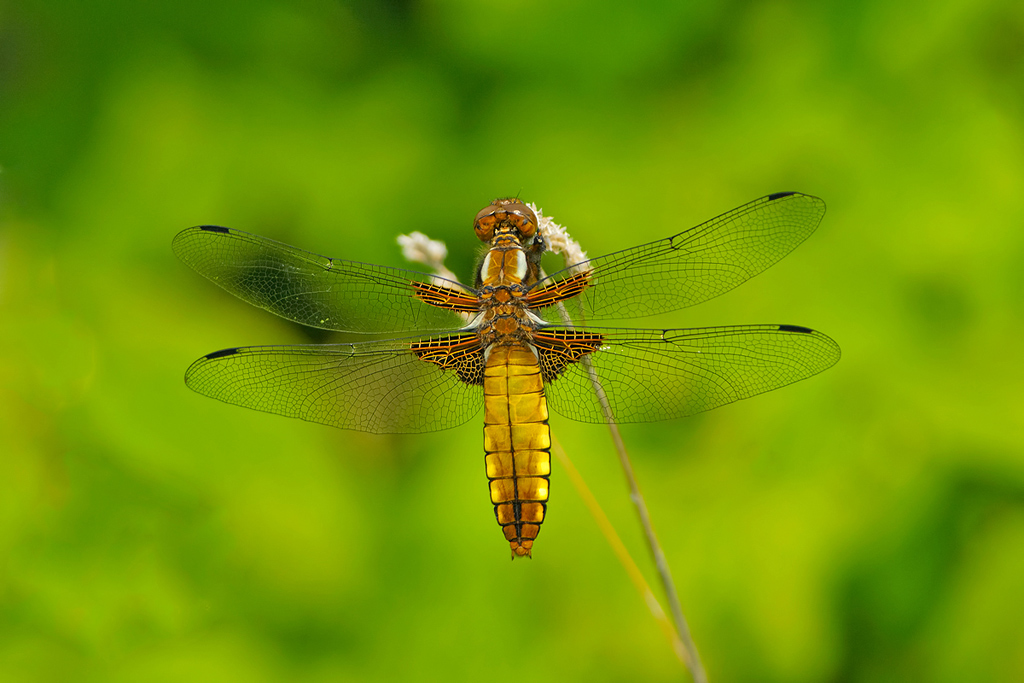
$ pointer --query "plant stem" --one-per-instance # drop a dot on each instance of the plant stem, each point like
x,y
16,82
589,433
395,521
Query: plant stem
x,y
619,548
689,654
693,657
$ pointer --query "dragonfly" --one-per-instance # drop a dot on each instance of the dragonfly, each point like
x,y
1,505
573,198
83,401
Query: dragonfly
x,y
518,343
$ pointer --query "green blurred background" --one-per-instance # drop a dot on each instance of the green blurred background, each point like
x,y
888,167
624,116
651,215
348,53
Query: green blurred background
x,y
865,525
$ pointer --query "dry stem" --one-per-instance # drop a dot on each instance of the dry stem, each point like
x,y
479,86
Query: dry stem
x,y
419,248
619,548
692,658
683,629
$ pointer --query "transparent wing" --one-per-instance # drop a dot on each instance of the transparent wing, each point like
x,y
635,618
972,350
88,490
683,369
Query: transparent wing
x,y
684,269
651,375
318,291
381,387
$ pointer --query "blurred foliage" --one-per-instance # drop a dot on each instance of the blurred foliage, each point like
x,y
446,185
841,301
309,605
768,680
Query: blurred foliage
x,y
866,525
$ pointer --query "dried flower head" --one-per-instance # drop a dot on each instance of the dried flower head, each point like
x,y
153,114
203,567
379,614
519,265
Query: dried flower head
x,y
558,240
418,248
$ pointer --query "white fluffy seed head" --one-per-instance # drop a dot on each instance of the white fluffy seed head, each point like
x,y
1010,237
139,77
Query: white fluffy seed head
x,y
419,248
557,239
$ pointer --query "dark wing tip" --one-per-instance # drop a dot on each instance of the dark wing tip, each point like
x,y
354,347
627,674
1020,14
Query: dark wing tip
x,y
809,197
230,352
184,238
829,352
198,365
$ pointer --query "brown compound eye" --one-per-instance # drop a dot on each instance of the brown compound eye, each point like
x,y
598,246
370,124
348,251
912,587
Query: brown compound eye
x,y
503,213
522,217
484,222
526,223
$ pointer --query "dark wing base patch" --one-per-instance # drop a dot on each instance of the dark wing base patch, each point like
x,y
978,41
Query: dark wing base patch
x,y
461,353
558,349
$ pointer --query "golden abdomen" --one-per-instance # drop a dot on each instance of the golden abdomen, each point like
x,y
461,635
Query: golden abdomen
x,y
517,443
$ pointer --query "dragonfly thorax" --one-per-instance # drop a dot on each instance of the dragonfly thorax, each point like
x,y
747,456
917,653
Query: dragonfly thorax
x,y
505,275
501,288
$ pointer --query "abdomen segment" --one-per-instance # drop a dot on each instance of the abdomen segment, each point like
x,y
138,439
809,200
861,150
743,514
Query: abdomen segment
x,y
517,443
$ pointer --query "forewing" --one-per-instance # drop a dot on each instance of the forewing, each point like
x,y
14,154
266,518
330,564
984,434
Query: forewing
x,y
651,375
380,387
318,291
684,269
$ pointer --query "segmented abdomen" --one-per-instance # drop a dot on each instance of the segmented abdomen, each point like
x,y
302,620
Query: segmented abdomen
x,y
517,443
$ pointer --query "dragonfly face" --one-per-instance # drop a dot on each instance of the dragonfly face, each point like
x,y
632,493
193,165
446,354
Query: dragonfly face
x,y
504,216
516,344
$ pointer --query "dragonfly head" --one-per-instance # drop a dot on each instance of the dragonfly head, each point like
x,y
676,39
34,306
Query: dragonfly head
x,y
503,217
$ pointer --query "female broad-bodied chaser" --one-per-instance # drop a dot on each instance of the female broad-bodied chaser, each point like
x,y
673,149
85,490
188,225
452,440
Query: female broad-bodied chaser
x,y
515,343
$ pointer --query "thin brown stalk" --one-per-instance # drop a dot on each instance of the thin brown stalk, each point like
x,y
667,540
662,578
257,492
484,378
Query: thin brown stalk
x,y
423,250
619,548
692,659
682,628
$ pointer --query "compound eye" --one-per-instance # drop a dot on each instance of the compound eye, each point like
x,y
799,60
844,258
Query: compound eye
x,y
527,226
484,224
523,218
